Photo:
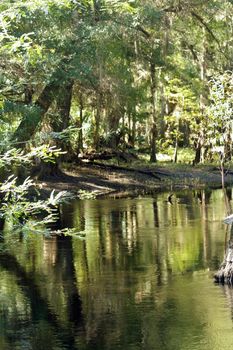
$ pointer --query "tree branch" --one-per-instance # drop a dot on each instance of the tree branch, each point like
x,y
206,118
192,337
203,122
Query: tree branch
x,y
173,9
144,31
204,24
191,49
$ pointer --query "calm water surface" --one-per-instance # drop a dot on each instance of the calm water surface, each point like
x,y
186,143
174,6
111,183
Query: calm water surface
x,y
142,278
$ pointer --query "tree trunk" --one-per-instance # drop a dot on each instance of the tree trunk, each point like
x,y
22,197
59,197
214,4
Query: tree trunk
x,y
62,121
63,104
59,124
113,125
225,272
153,157
154,114
164,102
28,125
200,151
133,127
228,147
162,125
80,124
2,223
97,120
197,158
28,94
175,155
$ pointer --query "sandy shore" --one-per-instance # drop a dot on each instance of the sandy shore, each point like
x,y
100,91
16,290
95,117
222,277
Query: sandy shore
x,y
101,179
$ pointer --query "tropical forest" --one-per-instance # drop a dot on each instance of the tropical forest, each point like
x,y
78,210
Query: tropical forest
x,y
116,174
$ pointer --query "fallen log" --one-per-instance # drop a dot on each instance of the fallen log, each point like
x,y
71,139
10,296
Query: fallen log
x,y
108,154
148,172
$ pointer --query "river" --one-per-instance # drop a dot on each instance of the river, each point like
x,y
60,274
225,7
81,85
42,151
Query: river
x,y
141,279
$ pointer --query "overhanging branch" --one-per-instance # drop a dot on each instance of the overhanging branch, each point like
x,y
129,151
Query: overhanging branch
x,y
205,25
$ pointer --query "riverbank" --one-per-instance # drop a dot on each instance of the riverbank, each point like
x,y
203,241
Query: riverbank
x,y
99,179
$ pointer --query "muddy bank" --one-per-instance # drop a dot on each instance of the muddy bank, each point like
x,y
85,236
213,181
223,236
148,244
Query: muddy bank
x,y
116,180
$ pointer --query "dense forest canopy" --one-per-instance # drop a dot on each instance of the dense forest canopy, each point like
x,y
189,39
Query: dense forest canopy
x,y
147,76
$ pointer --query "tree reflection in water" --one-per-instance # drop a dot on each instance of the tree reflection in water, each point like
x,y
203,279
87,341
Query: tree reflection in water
x,y
140,279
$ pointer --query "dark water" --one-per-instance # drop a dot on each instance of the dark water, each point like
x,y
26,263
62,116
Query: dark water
x,y
142,278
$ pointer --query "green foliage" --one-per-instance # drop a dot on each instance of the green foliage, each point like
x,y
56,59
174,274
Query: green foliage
x,y
25,212
15,156
20,205
16,207
108,49
221,109
82,194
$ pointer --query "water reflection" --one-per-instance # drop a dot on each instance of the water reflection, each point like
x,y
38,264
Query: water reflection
x,y
140,280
